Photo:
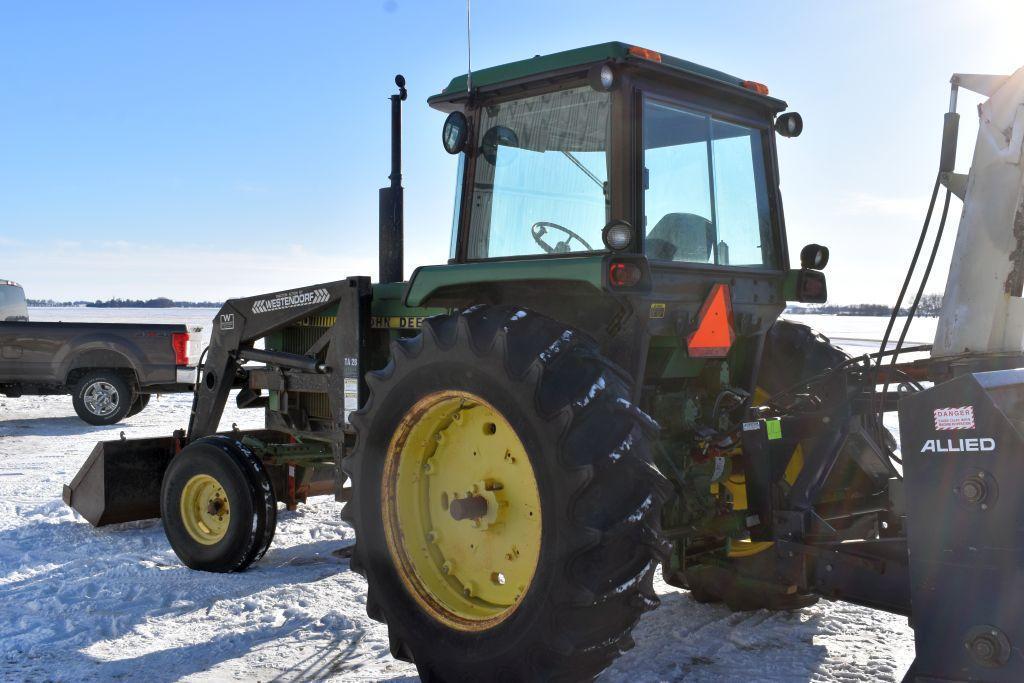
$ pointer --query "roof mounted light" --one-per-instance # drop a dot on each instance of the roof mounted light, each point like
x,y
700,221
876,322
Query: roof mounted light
x,y
759,88
644,53
602,77
789,125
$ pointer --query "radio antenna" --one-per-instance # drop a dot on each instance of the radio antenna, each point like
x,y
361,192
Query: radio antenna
x,y
469,50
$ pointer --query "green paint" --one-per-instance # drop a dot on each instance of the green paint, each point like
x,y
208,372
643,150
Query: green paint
x,y
773,428
427,280
581,56
789,285
387,301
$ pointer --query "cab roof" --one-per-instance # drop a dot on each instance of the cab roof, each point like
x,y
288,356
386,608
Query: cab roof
x,y
585,56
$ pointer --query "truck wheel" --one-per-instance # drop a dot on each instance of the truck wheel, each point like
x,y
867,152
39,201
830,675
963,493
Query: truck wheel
x,y
141,401
102,397
506,508
218,505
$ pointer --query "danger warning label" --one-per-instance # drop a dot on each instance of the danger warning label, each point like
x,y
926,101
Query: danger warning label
x,y
954,418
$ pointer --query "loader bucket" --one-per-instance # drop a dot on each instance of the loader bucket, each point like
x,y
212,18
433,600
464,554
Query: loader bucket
x,y
120,481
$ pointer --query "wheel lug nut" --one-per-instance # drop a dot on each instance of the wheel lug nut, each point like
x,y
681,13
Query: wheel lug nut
x,y
432,536
446,568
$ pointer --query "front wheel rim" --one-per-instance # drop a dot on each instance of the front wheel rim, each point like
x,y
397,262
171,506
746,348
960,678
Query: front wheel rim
x,y
461,510
205,509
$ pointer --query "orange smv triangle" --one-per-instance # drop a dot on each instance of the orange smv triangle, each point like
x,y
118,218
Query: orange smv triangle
x,y
714,334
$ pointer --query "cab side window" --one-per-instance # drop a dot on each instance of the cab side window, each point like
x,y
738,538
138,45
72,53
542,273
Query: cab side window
x,y
705,194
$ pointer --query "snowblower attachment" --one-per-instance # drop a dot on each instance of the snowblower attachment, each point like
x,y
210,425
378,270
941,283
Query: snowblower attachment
x,y
120,481
963,441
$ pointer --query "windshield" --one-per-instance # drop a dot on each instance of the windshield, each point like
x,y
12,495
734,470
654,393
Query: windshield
x,y
541,179
705,194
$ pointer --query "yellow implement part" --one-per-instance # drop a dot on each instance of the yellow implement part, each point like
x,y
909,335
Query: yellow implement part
x,y
461,510
205,509
737,486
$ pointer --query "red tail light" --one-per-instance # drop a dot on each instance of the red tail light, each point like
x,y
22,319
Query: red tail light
x,y
624,274
179,342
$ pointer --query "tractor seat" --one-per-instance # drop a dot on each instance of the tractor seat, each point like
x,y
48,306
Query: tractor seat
x,y
681,237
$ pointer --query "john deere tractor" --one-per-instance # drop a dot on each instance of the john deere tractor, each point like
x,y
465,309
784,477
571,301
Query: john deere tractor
x,y
595,384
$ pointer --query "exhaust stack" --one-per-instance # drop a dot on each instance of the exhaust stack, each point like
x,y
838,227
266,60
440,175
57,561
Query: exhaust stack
x,y
391,244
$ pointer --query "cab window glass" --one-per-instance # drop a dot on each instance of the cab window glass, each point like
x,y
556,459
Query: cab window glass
x,y
541,175
705,198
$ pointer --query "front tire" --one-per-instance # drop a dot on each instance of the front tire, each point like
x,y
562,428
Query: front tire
x,y
218,505
567,506
102,397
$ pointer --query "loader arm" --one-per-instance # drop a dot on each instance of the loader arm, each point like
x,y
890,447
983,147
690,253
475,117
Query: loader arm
x,y
241,322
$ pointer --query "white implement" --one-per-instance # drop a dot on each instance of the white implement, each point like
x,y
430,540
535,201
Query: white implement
x,y
982,308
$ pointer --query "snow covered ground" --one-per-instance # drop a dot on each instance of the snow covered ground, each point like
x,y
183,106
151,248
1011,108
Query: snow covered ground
x,y
78,603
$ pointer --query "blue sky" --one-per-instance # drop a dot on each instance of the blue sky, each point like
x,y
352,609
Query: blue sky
x,y
201,150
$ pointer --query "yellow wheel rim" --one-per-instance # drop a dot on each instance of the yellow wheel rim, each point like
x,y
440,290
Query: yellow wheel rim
x,y
205,509
461,510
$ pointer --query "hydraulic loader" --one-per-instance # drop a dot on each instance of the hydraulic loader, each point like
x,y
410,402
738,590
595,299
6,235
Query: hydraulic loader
x,y
598,383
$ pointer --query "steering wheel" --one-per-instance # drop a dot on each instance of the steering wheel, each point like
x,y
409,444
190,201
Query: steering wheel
x,y
540,228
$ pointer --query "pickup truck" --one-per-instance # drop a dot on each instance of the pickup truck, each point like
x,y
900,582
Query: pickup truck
x,y
110,369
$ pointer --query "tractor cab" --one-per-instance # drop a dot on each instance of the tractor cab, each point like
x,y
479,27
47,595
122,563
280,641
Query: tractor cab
x,y
613,148
616,170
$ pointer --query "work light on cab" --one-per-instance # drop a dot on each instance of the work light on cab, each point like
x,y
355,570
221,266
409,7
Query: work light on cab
x,y
814,256
789,125
617,235
602,77
455,132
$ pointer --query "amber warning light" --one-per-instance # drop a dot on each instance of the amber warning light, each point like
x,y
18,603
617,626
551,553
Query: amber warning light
x,y
644,53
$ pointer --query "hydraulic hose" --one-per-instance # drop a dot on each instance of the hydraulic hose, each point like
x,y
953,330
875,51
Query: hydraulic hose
x,y
878,404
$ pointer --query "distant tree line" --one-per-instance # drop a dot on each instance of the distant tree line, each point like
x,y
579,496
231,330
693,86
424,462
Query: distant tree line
x,y
159,302
930,306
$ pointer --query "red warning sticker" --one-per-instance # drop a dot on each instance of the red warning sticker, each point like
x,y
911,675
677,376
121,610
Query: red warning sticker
x,y
954,418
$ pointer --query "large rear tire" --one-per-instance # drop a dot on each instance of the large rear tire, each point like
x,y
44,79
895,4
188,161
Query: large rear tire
x,y
218,505
497,445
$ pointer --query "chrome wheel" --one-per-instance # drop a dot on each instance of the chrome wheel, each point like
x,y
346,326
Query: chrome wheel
x,y
101,398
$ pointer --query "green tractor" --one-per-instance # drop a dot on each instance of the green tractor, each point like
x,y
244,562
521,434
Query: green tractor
x,y
591,387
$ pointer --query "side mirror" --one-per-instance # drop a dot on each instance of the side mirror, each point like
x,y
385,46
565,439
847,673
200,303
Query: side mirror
x,y
789,125
814,257
455,132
